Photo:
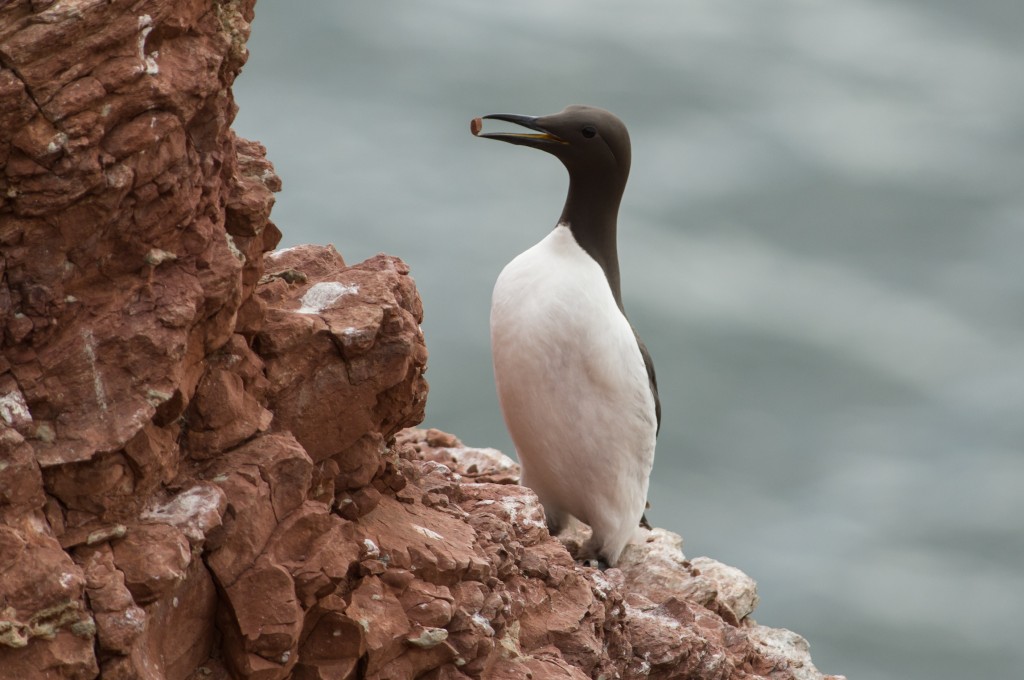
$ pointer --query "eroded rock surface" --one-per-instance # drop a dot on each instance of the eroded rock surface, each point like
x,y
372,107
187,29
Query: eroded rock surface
x,y
204,466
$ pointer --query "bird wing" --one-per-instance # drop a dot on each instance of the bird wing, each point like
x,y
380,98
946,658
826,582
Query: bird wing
x,y
653,379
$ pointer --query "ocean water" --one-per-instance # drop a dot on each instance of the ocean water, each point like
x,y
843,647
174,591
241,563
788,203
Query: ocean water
x,y
821,244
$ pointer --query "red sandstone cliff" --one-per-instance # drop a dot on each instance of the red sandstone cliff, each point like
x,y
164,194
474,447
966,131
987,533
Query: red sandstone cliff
x,y
203,467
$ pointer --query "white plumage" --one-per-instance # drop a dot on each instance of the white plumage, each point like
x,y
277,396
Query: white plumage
x,y
574,390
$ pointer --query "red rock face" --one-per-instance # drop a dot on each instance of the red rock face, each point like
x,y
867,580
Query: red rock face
x,y
204,471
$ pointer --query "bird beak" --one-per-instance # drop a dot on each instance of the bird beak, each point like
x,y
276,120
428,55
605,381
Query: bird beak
x,y
539,139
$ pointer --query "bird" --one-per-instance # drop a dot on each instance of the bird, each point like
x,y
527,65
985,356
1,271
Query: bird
x,y
575,383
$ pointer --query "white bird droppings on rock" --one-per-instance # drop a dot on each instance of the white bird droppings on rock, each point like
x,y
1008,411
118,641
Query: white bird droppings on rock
x,y
429,637
523,514
13,409
483,460
281,251
483,624
323,295
423,531
195,511
371,548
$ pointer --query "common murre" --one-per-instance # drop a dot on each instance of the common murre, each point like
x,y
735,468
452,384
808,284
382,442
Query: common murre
x,y
576,384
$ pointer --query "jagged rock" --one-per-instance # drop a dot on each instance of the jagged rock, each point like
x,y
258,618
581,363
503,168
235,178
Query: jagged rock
x,y
265,620
120,149
355,331
21,484
153,559
204,471
119,621
658,570
657,615
268,469
132,224
196,511
480,465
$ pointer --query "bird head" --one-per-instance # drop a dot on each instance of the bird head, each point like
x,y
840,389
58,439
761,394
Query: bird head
x,y
590,142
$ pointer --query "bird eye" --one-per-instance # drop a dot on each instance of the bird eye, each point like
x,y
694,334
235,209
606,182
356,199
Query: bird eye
x,y
589,131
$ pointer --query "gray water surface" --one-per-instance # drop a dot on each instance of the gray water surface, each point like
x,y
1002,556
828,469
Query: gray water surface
x,y
821,244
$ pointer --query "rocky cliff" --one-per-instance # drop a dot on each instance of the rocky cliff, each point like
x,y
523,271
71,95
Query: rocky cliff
x,y
205,470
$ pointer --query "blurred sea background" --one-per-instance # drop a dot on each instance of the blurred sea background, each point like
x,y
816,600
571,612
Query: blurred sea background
x,y
822,244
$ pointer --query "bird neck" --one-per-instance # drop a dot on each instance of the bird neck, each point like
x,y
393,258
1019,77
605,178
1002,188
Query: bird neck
x,y
591,212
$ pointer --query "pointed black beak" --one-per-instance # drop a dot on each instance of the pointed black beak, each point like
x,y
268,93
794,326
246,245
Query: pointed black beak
x,y
539,139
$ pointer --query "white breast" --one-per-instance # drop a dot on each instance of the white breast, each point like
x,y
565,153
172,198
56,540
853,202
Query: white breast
x,y
573,389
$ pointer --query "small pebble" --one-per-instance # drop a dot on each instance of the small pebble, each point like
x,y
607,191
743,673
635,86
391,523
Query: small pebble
x,y
476,125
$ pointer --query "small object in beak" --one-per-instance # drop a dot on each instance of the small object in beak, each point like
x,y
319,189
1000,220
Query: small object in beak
x,y
475,126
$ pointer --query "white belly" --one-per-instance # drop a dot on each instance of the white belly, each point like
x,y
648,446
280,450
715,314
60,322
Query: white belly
x,y
573,389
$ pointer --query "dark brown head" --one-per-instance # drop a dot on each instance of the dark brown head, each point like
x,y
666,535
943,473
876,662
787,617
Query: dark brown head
x,y
592,143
